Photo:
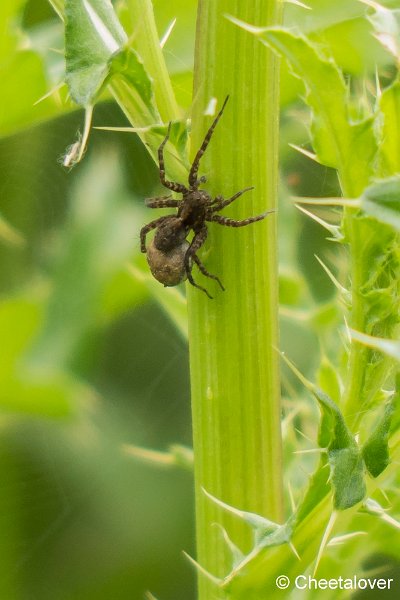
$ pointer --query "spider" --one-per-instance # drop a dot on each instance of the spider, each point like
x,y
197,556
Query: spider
x,y
170,255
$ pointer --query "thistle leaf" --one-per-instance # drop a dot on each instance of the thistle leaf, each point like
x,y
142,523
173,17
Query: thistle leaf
x,y
92,35
376,450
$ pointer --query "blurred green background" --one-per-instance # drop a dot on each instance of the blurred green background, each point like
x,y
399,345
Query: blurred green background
x,y
90,358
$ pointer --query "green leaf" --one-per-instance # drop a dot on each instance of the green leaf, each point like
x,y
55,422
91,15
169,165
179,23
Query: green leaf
x,y
346,462
382,201
347,470
92,35
338,142
326,92
376,450
329,379
128,65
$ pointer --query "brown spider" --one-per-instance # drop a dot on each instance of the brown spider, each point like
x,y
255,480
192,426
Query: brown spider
x,y
170,255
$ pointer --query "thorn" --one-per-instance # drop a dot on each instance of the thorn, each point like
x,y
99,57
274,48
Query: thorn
x,y
331,276
384,494
291,498
125,129
390,520
307,384
237,554
305,152
298,3
333,229
345,202
311,451
202,570
377,84
289,417
341,539
389,347
168,32
324,540
347,328
50,93
304,435
58,11
246,26
231,509
293,549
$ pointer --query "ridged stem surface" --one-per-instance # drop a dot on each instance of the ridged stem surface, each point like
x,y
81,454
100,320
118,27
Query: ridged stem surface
x,y
234,337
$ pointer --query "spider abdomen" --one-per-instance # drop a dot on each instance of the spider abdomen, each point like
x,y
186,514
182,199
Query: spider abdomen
x,y
168,267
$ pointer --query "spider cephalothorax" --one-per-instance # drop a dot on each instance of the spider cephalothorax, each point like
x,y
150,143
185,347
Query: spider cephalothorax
x,y
170,255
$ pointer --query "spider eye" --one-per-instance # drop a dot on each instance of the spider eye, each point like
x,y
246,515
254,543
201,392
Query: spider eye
x,y
203,179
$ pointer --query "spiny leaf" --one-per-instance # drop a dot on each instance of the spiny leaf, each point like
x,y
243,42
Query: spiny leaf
x,y
236,554
381,200
326,93
92,35
339,143
329,378
376,450
265,532
346,463
127,65
345,460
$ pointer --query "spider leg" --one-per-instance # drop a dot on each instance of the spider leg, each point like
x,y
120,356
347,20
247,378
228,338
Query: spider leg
x,y
233,223
145,230
196,285
163,202
171,185
219,203
203,270
197,242
193,181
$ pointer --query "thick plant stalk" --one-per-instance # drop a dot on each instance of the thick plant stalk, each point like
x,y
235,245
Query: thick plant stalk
x,y
234,337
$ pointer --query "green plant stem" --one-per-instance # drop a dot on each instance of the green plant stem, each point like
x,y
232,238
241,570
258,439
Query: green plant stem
x,y
146,41
366,374
234,337
358,354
